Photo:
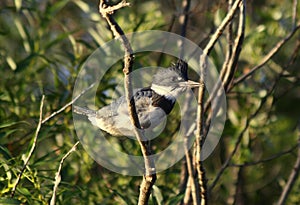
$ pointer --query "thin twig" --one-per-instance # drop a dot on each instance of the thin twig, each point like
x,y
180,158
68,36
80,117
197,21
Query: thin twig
x,y
292,178
239,139
267,57
237,47
149,177
57,174
233,52
229,37
200,110
275,156
221,28
226,163
68,104
295,5
31,149
229,67
191,171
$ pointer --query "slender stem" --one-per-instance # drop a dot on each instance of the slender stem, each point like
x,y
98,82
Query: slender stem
x,y
237,47
221,28
58,176
292,178
191,171
31,149
267,57
67,105
42,121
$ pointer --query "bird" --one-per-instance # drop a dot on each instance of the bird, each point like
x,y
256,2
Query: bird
x,y
152,103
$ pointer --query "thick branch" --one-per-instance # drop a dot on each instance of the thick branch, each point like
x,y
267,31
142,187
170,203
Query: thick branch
x,y
150,175
199,135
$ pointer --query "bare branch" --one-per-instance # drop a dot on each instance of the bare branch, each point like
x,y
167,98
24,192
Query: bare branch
x,y
292,178
192,182
275,156
31,149
271,53
229,37
221,28
229,67
57,174
150,173
228,73
68,104
187,193
192,186
200,134
227,162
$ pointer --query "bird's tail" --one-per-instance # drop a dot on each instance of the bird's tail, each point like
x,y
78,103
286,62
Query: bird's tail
x,y
84,111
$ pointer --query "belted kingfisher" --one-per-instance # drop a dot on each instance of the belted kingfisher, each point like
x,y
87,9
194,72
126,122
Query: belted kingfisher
x,y
152,103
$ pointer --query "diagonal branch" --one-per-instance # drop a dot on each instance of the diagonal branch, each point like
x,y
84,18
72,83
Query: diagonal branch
x,y
31,149
275,156
271,53
221,28
226,164
67,105
58,176
292,178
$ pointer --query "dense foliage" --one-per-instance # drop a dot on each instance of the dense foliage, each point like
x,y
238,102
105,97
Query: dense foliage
x,y
43,45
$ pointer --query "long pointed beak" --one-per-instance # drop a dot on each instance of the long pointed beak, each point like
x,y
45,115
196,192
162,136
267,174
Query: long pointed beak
x,y
190,83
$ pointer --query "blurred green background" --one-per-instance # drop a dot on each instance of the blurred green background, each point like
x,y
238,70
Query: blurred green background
x,y
43,45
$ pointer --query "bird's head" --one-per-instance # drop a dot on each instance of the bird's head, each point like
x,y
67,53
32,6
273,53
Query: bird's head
x,y
172,81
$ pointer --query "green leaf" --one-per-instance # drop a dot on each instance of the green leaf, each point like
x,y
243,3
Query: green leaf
x,y
10,124
157,195
9,201
24,191
176,199
5,152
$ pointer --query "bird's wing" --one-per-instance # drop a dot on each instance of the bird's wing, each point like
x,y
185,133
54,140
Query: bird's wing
x,y
151,107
